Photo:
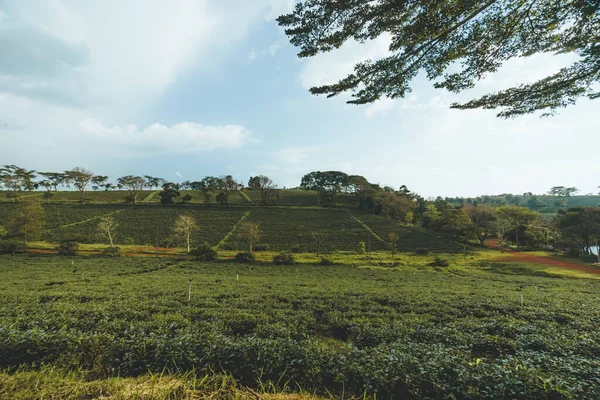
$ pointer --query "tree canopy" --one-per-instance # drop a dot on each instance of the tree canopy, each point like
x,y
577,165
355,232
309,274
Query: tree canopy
x,y
456,43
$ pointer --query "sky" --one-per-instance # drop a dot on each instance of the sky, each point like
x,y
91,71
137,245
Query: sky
x,y
189,88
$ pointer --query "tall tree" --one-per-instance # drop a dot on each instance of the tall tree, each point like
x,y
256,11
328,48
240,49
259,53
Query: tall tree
x,y
248,232
483,219
325,182
169,192
580,226
268,189
17,179
55,179
517,218
107,227
99,181
184,226
154,182
456,43
27,221
207,186
133,184
228,185
80,178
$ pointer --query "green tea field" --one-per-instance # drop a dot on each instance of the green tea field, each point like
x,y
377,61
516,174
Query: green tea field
x,y
476,329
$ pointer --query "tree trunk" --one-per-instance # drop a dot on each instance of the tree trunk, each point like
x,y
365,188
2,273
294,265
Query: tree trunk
x,y
251,246
110,239
517,238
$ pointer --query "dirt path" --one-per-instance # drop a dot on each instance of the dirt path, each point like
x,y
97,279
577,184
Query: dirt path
x,y
512,255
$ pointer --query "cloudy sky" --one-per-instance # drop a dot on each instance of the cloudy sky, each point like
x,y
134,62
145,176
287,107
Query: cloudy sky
x,y
189,88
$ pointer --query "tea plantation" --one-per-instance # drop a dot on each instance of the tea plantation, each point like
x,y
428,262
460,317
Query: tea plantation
x,y
413,332
282,228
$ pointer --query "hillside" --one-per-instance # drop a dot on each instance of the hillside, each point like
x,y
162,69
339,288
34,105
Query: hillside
x,y
282,228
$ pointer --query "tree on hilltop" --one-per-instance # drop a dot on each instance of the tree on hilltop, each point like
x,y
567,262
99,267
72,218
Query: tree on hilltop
x,y
268,189
80,178
133,184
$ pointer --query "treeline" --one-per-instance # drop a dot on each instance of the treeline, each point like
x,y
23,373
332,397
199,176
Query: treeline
x,y
16,179
556,197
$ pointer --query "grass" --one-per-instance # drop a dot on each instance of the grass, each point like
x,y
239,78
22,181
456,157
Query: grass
x,y
52,383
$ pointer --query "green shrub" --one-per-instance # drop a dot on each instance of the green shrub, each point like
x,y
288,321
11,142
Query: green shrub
x,y
298,248
12,247
114,251
261,247
205,252
245,257
440,262
129,241
422,251
284,258
68,248
326,261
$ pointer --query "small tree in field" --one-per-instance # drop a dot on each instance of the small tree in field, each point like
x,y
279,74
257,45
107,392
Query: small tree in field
x,y
27,220
319,238
183,228
248,232
107,227
393,242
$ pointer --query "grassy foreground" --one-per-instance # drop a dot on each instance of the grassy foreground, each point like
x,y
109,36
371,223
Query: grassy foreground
x,y
49,383
477,329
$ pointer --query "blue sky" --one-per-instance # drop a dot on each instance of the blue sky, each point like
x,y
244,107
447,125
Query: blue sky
x,y
198,87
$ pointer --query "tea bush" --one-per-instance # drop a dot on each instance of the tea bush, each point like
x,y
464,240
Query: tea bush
x,y
284,258
245,257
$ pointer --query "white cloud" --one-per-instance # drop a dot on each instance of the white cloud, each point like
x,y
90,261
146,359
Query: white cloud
x,y
295,155
380,106
252,55
179,174
272,49
157,138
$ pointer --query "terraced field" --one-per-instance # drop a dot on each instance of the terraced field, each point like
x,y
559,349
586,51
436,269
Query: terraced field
x,y
411,237
140,223
286,228
282,228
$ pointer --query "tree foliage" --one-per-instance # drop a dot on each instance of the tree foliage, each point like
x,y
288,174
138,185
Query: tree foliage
x,y
268,189
184,226
248,232
27,221
107,227
456,44
133,184
80,178
168,193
